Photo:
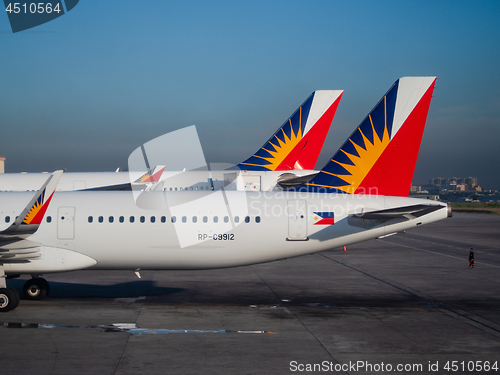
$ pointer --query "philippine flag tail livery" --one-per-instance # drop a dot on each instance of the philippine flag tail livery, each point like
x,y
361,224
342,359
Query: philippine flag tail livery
x,y
379,157
31,217
298,142
151,176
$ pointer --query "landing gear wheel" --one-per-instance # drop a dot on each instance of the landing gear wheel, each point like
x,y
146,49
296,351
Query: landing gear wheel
x,y
16,295
36,288
9,299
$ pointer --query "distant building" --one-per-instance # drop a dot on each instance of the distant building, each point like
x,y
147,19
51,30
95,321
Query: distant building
x,y
2,164
455,183
436,181
471,183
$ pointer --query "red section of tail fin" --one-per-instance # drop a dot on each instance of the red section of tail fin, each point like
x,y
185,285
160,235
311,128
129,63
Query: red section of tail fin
x,y
310,150
41,213
392,174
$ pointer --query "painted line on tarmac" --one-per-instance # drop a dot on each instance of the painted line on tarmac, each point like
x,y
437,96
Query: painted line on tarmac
x,y
461,259
464,316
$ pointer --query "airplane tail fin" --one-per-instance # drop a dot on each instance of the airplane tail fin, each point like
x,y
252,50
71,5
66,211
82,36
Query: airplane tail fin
x,y
298,142
379,157
151,176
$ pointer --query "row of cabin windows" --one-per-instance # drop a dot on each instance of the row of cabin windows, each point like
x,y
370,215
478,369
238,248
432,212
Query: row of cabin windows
x,y
163,219
173,219
189,188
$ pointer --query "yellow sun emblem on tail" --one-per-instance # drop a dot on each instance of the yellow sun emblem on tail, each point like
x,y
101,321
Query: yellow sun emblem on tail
x,y
144,177
368,156
282,148
34,210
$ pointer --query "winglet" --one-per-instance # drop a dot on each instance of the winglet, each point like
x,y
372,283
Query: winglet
x,y
298,142
32,215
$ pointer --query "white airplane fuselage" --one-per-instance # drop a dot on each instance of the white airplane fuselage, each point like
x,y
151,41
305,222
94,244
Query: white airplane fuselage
x,y
94,229
170,180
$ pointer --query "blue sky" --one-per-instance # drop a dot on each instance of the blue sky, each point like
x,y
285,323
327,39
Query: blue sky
x,y
83,91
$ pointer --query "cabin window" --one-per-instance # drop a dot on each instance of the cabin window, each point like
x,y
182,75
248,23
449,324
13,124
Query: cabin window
x,y
170,189
111,219
184,219
247,219
257,219
195,219
132,219
163,219
205,219
49,219
226,219
7,219
153,219
91,219
121,219
216,219
101,219
173,219
236,219
143,219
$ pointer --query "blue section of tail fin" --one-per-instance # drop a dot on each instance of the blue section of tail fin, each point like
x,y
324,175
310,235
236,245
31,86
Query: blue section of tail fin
x,y
292,128
374,125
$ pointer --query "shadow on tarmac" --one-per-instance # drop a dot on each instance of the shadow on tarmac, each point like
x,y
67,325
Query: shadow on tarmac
x,y
131,289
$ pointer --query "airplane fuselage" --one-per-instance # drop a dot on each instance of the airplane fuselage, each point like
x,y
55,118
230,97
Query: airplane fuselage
x,y
196,230
170,180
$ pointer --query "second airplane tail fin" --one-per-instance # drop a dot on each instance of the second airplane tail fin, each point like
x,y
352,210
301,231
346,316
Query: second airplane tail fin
x,y
151,176
379,157
298,142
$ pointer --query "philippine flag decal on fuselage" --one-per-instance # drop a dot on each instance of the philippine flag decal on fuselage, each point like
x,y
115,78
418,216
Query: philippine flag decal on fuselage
x,y
325,218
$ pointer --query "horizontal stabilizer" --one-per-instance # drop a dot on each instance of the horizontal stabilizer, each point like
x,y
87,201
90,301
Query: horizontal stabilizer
x,y
294,182
152,176
409,212
372,219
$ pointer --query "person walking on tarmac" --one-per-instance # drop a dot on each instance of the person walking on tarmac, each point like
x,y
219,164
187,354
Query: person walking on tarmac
x,y
471,258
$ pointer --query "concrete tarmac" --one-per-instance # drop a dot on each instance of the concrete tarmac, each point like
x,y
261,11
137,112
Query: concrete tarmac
x,y
407,303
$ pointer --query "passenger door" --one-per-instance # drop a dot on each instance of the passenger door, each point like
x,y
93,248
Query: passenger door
x,y
66,223
297,220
